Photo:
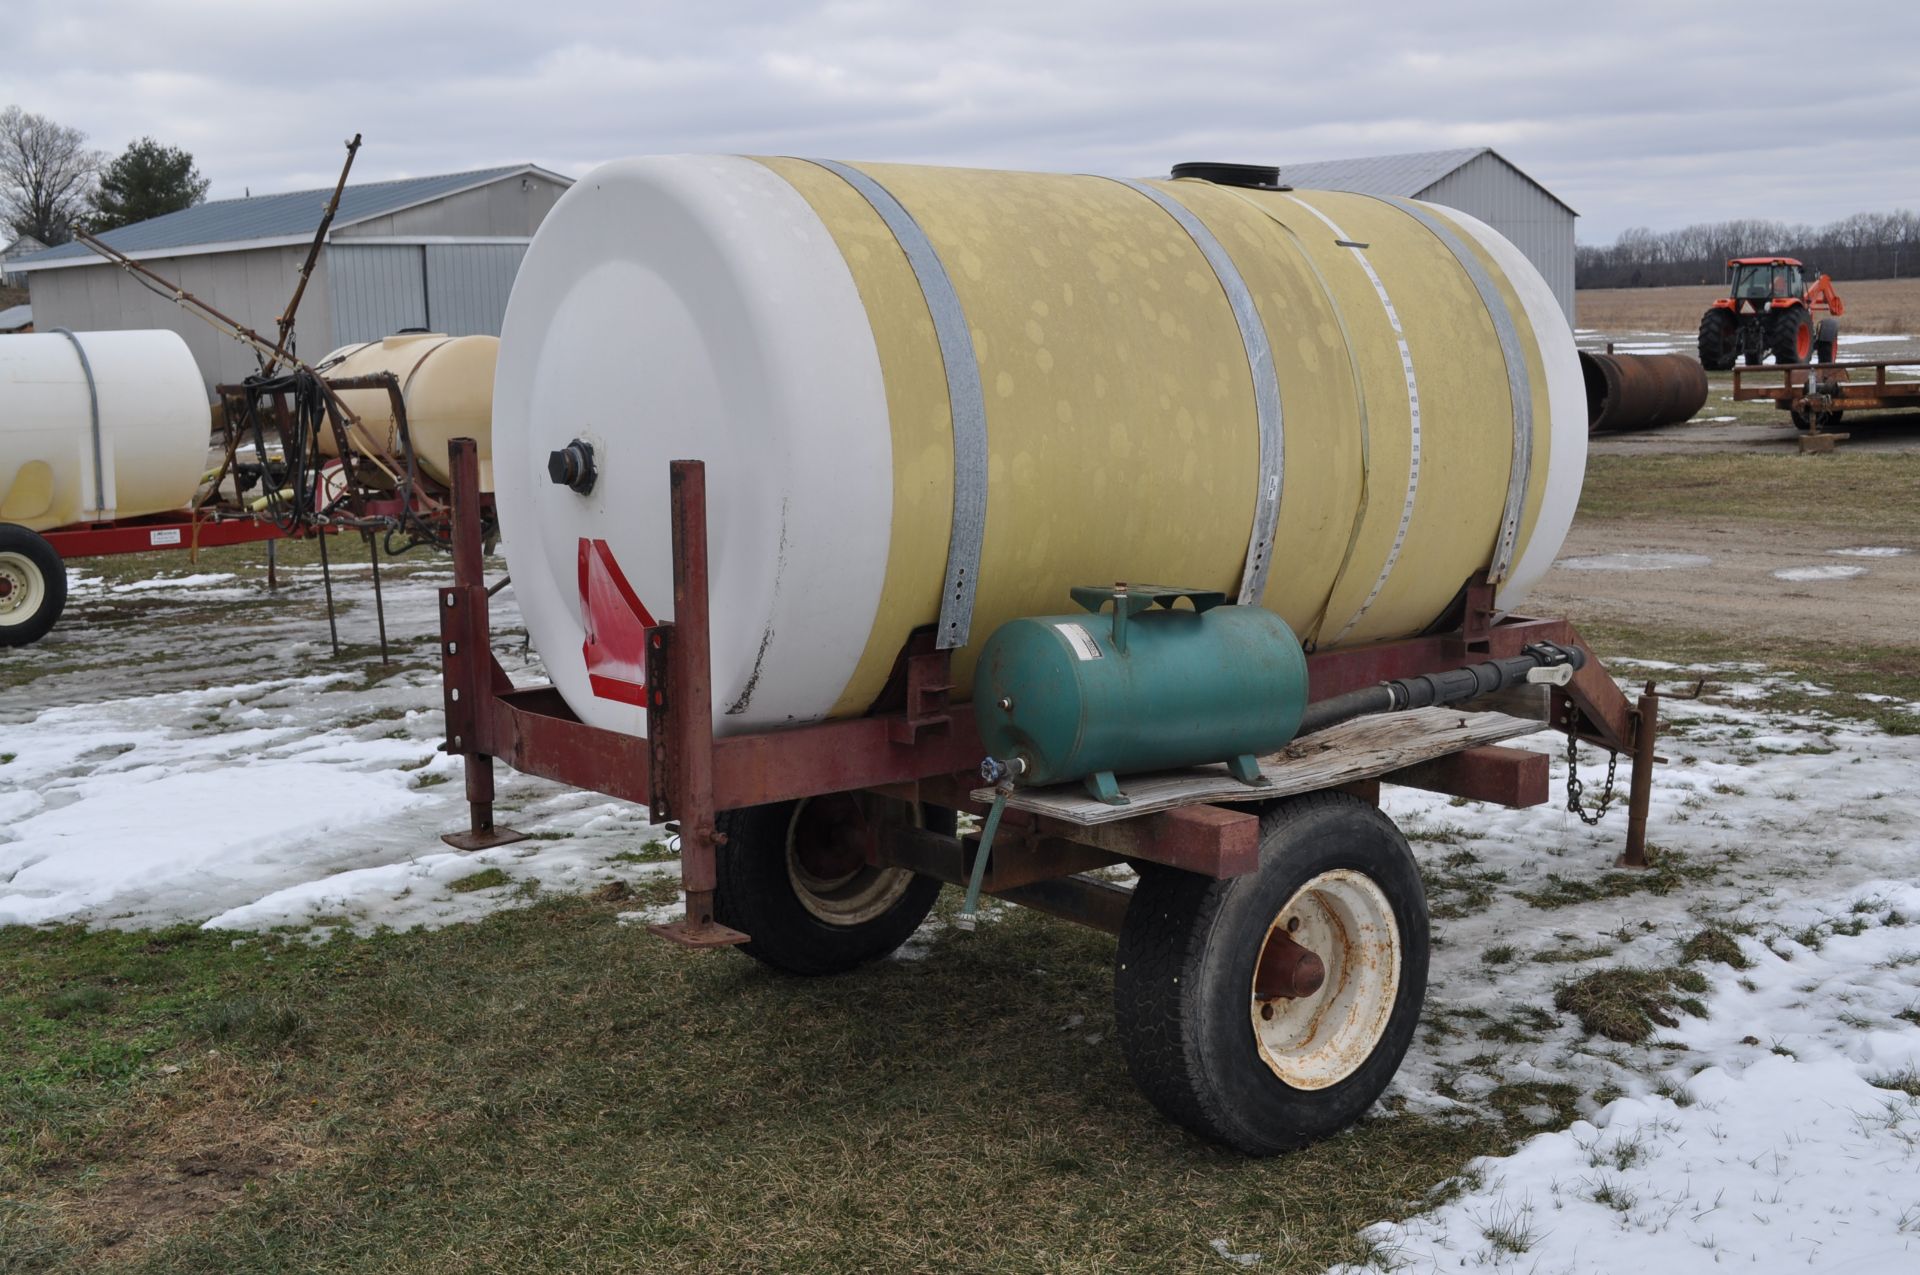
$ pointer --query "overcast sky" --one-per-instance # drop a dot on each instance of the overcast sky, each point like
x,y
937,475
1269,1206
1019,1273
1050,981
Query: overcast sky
x,y
1654,114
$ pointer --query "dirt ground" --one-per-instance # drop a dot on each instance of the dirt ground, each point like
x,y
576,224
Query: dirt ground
x,y
1688,575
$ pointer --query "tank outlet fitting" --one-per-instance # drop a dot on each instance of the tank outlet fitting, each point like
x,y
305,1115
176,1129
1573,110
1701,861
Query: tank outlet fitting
x,y
995,771
572,466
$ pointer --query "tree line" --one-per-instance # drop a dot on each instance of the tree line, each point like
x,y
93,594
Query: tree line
x,y
52,183
1863,246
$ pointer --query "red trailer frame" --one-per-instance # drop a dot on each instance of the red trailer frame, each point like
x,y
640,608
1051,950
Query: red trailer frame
x,y
927,747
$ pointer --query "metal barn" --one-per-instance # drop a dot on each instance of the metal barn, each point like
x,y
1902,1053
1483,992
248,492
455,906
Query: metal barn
x,y
1477,180
422,252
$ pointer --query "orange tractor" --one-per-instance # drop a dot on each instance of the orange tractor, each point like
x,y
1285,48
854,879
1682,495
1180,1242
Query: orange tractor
x,y
1769,309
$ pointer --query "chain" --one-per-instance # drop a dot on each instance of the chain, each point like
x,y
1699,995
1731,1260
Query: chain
x,y
1575,787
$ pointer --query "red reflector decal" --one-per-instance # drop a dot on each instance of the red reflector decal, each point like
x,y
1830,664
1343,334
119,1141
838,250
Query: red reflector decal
x,y
616,624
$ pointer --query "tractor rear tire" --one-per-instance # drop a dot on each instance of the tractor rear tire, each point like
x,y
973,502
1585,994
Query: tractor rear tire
x,y
794,877
1719,343
1826,342
1261,1069
33,586
1790,335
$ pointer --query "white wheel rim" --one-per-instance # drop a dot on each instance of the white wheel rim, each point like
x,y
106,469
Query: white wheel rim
x,y
843,898
22,589
1313,1042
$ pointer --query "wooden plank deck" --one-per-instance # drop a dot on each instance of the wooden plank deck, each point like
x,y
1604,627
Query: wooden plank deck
x,y
1364,748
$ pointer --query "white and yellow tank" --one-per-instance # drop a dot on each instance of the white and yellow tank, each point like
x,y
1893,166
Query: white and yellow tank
x,y
1336,406
96,426
446,383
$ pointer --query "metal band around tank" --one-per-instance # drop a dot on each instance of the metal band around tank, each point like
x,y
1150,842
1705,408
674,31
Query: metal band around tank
x,y
1519,384
93,404
1266,389
965,401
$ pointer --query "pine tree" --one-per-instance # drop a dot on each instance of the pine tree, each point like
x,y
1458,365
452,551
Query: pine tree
x,y
146,180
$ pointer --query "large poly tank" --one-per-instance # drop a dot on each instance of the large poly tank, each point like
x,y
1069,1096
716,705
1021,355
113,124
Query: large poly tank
x,y
1338,406
150,449
447,384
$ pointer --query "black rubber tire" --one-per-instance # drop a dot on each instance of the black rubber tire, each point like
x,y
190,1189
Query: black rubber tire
x,y
32,553
1826,341
1787,328
1719,344
1188,948
755,894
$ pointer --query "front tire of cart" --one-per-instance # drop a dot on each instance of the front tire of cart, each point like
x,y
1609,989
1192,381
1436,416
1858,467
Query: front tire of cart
x,y
1221,1031
795,876
33,586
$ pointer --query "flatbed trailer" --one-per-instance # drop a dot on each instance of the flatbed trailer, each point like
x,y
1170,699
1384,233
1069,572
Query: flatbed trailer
x,y
1819,395
1272,956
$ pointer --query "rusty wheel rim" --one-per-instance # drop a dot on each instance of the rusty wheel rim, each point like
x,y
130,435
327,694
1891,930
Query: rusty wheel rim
x,y
827,864
21,589
1317,1040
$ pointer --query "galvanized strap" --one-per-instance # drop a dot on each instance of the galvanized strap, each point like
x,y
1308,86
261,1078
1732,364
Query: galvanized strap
x,y
1519,383
93,405
1266,390
965,401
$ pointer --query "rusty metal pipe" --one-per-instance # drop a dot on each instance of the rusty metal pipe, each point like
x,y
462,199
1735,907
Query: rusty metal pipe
x,y
1641,391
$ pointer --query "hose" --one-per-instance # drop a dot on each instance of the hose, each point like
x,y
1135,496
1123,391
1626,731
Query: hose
x,y
1455,686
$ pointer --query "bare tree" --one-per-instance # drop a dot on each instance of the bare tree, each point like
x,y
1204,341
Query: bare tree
x,y
46,172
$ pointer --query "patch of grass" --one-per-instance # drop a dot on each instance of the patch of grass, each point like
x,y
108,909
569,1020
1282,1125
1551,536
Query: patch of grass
x,y
472,1097
1910,1015
485,879
1459,887
1570,955
651,852
89,999
1876,492
1906,1081
1625,1003
1714,944
1667,871
1500,954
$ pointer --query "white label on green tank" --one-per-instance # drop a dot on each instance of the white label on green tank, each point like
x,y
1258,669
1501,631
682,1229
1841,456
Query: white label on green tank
x,y
1080,640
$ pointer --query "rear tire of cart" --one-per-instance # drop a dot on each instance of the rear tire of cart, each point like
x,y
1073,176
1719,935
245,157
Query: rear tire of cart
x,y
1826,341
794,876
1265,1073
33,586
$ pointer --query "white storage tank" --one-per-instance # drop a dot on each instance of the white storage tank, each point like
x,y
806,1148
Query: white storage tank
x,y
98,425
935,399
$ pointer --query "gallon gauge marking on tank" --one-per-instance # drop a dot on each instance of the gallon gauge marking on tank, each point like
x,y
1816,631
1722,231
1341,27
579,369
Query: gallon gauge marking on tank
x,y
1519,384
966,400
1266,389
1413,412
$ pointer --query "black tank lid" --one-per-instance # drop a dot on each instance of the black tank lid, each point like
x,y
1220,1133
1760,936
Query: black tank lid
x,y
1257,176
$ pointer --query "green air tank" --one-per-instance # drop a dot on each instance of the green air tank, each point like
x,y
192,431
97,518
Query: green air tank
x,y
1152,686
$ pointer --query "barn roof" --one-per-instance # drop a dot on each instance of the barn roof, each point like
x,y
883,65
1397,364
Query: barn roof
x,y
292,215
1403,175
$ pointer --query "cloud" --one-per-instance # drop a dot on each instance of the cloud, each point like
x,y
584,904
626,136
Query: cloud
x,y
1635,113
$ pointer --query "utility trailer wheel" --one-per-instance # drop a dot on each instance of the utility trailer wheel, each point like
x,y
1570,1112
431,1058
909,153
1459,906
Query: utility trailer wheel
x,y
33,586
794,875
1719,340
1228,1027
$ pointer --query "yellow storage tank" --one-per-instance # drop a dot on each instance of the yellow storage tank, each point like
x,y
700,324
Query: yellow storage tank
x,y
446,382
937,398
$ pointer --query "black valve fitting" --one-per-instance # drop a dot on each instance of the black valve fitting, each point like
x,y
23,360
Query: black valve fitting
x,y
572,466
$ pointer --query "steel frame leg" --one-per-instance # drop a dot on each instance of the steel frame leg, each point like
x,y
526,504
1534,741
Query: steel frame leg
x,y
1646,732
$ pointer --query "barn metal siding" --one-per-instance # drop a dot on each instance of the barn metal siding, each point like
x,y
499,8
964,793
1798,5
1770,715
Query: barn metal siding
x,y
468,285
253,287
507,209
1539,225
376,289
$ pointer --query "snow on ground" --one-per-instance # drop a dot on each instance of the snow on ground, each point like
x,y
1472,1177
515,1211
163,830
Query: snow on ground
x,y
1755,1135
192,751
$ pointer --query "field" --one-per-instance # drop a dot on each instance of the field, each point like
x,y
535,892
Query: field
x,y
380,1055
1879,306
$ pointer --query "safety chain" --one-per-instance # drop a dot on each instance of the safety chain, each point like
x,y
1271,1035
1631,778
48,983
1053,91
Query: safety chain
x,y
1575,787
